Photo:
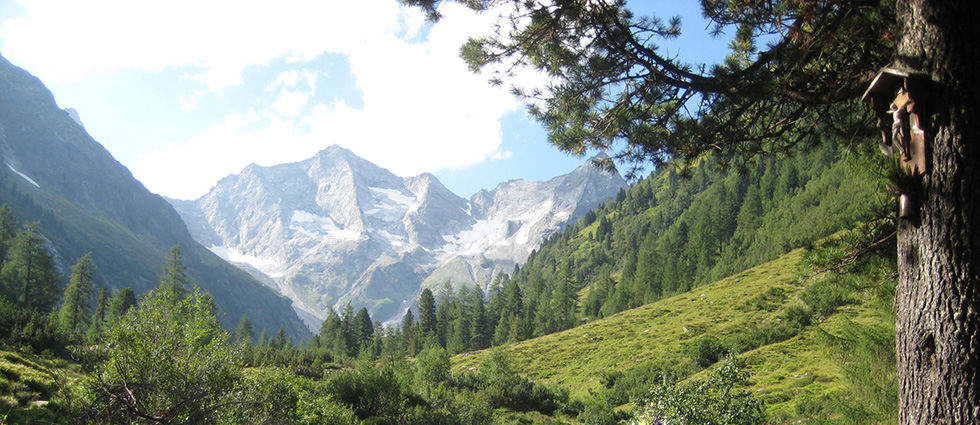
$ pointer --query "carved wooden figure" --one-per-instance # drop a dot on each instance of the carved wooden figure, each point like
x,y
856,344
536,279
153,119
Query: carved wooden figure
x,y
898,98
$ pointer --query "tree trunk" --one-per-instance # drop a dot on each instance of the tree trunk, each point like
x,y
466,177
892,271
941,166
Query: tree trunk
x,y
938,298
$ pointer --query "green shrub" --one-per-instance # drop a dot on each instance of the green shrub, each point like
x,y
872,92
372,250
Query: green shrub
x,y
170,358
717,400
797,316
706,350
597,412
371,392
824,296
432,366
623,387
502,386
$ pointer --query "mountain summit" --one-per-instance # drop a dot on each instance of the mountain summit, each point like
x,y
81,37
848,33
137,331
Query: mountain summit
x,y
336,228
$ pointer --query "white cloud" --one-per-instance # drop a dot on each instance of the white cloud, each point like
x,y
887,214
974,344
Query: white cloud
x,y
422,109
501,155
293,79
291,105
66,40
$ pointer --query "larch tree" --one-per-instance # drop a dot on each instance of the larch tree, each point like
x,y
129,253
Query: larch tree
x,y
76,308
244,332
8,230
611,87
174,276
30,273
99,315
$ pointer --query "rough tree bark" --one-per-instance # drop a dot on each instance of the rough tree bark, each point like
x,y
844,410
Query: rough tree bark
x,y
938,299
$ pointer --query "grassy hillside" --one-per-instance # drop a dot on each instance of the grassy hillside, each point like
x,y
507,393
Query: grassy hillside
x,y
789,349
27,386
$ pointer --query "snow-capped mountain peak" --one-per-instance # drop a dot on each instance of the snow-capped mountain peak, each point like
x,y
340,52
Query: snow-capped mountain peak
x,y
336,228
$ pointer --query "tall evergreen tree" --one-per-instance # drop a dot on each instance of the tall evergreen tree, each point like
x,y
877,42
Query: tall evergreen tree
x,y
427,313
174,276
330,326
565,299
244,332
647,280
281,340
263,338
346,342
30,275
408,321
513,299
501,332
363,328
482,332
410,335
121,303
8,230
76,307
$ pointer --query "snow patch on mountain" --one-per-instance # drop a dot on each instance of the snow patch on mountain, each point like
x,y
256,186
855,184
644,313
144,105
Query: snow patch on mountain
x,y
312,225
271,268
410,203
472,240
25,176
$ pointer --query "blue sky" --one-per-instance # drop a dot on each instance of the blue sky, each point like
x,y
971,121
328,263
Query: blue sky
x,y
186,92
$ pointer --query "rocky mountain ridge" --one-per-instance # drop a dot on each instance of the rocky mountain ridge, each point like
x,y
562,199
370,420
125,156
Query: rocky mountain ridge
x,y
336,228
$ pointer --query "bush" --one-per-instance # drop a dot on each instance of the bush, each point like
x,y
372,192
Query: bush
x,y
168,360
714,401
371,392
824,296
502,386
597,412
432,366
30,331
705,351
635,383
797,316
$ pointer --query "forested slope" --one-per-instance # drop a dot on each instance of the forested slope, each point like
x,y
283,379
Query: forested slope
x,y
679,229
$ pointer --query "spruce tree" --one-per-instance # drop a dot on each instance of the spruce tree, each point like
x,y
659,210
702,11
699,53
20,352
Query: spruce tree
x,y
410,335
120,304
330,326
481,332
427,313
348,331
363,328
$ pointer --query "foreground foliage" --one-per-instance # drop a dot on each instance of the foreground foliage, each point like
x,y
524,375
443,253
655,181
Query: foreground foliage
x,y
168,361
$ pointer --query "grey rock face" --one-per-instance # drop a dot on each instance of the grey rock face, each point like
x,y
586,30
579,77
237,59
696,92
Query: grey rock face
x,y
336,229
